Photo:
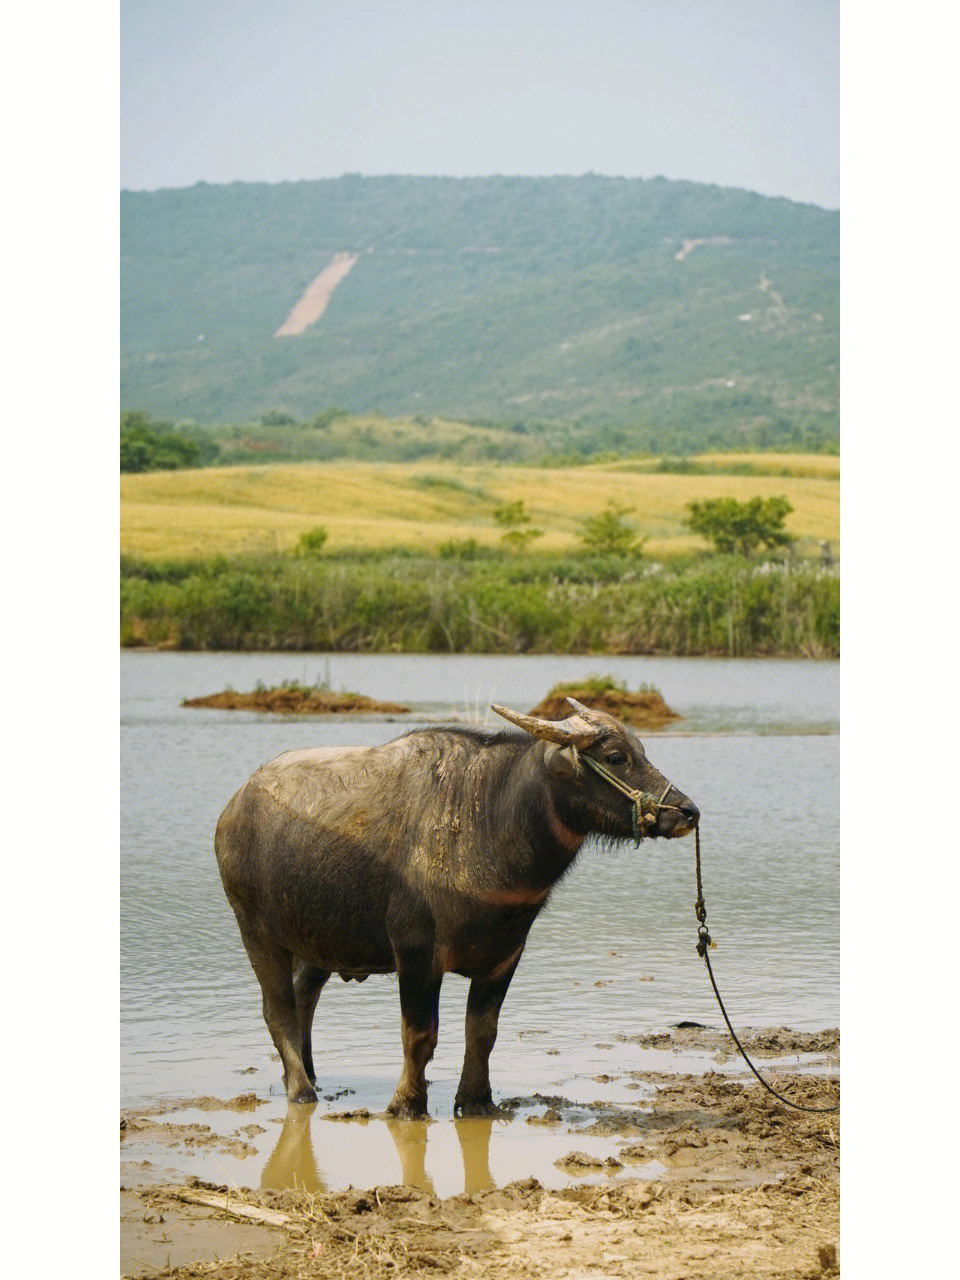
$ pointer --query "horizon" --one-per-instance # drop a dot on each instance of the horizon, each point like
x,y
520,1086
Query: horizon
x,y
470,177
223,91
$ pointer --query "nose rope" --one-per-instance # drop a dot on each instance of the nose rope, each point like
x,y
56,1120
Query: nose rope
x,y
646,805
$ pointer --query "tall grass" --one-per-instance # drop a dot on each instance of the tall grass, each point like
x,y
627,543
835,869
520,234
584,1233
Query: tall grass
x,y
420,603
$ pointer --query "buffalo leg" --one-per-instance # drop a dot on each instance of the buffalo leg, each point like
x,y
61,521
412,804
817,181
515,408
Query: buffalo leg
x,y
308,982
420,1022
483,1014
273,966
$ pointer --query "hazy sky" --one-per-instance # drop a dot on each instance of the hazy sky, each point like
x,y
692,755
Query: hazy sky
x,y
744,93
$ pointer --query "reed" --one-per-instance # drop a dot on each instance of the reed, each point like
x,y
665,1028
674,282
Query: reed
x,y
420,603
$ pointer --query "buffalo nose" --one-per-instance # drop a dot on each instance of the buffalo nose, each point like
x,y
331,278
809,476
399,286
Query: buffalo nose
x,y
690,812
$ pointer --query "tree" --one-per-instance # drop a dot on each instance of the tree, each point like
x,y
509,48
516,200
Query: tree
x,y
609,534
742,527
511,518
158,446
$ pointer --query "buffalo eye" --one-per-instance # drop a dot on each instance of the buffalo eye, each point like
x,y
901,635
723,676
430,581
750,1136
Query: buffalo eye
x,y
616,757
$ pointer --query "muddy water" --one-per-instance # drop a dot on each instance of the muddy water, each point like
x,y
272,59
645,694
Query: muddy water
x,y
613,955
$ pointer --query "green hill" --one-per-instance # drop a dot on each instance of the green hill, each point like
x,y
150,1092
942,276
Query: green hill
x,y
625,315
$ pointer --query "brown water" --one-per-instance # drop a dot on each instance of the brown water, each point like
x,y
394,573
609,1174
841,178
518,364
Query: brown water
x,y
612,955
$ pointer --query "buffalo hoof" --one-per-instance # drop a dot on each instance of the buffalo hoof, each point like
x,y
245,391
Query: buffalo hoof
x,y
407,1108
303,1095
476,1107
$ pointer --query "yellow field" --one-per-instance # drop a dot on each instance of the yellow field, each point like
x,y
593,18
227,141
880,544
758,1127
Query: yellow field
x,y
423,504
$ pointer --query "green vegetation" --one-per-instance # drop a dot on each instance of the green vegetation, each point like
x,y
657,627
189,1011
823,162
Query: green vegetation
x,y
560,319
311,543
609,534
596,686
513,519
159,446
741,527
494,603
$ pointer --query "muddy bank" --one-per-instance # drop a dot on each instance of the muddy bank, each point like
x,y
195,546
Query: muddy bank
x,y
710,1175
294,700
643,710
759,1042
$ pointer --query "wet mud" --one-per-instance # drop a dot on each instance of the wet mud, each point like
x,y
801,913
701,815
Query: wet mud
x,y
765,1042
704,1174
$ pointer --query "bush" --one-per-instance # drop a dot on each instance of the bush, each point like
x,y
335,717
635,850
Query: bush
x,y
311,543
459,549
609,534
512,518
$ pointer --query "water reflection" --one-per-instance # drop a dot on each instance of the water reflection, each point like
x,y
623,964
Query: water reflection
x,y
474,1136
293,1161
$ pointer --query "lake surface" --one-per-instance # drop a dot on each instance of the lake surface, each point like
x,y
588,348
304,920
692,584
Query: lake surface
x,y
757,749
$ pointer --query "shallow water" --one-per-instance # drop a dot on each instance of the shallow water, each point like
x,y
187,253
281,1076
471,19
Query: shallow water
x,y
613,954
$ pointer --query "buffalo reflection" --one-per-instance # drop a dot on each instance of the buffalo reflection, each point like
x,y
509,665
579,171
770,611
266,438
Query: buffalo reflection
x,y
293,1161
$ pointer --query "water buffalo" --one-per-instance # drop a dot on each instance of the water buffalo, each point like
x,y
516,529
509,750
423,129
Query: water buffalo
x,y
429,855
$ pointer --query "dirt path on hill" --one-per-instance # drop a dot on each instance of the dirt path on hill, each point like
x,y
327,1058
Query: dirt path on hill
x,y
314,299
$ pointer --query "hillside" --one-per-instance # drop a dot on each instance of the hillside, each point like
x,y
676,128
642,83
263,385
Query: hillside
x,y
421,506
609,314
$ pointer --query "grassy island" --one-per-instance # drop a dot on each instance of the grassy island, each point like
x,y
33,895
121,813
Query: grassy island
x,y
292,698
644,709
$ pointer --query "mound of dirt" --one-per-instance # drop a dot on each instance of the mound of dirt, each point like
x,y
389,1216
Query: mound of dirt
x,y
644,710
294,700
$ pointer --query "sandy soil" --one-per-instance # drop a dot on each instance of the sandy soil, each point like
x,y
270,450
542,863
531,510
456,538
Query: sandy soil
x,y
315,298
736,1184
688,246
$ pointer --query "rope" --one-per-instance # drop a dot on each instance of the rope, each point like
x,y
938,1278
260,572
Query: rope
x,y
703,949
653,805
641,799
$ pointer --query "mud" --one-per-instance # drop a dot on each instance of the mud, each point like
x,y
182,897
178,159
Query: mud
x,y
292,700
242,1102
711,1176
765,1042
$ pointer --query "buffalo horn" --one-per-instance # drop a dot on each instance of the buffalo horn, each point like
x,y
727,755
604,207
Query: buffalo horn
x,y
598,718
572,732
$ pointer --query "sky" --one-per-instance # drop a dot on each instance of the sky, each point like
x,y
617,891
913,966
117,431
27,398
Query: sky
x,y
742,93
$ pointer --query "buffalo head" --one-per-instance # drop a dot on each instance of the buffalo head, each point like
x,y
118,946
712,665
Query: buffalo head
x,y
594,799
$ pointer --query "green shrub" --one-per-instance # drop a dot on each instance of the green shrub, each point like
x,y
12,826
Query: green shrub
x,y
512,519
312,542
608,533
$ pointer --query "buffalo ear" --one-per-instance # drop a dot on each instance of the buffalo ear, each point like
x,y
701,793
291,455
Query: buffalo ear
x,y
562,762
